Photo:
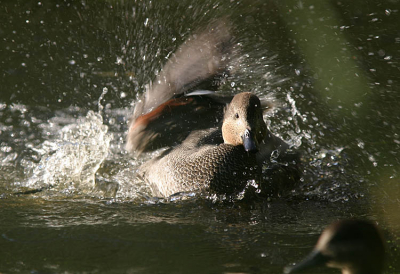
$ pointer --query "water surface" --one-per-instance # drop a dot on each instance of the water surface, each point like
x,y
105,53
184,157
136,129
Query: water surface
x,y
70,74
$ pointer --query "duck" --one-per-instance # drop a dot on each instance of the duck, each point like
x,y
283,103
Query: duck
x,y
212,141
354,246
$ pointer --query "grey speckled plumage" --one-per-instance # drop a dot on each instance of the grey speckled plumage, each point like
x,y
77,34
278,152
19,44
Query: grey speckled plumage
x,y
213,142
200,163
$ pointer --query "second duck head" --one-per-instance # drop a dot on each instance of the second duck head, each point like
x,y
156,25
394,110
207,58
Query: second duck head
x,y
355,246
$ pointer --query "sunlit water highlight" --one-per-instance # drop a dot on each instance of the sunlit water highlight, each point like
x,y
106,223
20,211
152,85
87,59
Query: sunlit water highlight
x,y
93,216
71,161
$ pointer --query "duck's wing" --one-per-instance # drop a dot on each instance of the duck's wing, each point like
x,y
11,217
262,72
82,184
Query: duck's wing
x,y
167,112
171,122
200,59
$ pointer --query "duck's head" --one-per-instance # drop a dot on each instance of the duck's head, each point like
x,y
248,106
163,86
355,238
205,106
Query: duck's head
x,y
354,246
243,122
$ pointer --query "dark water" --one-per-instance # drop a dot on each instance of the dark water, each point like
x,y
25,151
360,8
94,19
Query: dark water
x,y
70,71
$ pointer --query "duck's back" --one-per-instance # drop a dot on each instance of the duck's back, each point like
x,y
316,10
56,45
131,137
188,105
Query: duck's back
x,y
201,162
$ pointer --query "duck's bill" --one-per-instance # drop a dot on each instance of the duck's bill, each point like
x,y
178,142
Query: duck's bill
x,y
249,141
315,258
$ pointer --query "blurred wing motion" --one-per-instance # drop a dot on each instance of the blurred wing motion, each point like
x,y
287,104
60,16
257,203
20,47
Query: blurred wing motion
x,y
167,108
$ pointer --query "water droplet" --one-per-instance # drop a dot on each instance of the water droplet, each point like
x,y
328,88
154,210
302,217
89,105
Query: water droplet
x,y
119,61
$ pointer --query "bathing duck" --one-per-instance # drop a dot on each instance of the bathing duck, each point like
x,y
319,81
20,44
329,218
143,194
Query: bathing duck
x,y
213,142
354,246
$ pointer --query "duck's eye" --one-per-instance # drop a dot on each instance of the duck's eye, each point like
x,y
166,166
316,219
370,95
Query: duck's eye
x,y
237,115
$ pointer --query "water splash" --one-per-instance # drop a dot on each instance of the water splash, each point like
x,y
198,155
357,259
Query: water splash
x,y
70,162
100,106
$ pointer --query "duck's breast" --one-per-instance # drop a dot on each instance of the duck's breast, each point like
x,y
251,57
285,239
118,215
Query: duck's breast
x,y
220,168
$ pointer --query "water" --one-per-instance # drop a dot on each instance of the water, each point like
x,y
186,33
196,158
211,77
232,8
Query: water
x,y
69,75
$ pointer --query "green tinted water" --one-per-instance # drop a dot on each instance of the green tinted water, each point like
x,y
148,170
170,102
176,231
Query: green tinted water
x,y
334,66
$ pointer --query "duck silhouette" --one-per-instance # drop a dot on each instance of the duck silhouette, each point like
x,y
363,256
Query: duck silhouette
x,y
213,142
354,246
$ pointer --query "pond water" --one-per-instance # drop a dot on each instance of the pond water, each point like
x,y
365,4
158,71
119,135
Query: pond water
x,y
70,74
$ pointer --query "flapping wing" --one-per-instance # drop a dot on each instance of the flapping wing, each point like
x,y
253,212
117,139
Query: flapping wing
x,y
165,116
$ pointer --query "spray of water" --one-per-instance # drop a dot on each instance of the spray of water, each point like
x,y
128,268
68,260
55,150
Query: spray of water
x,y
69,163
